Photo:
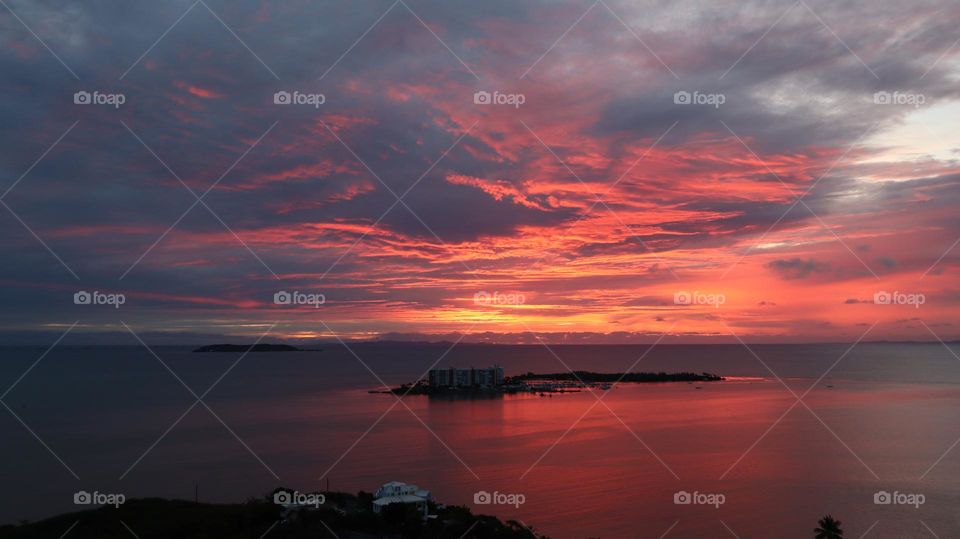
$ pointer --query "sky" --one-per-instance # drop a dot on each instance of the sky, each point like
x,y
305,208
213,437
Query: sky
x,y
501,171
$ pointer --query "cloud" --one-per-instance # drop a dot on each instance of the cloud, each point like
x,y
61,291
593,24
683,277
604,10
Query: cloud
x,y
596,196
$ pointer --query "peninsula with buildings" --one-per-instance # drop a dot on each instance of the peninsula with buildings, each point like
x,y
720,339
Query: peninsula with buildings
x,y
491,381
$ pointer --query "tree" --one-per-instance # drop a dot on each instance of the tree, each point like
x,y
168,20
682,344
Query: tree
x,y
829,528
405,518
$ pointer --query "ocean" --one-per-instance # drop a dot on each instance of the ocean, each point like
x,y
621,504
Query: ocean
x,y
752,459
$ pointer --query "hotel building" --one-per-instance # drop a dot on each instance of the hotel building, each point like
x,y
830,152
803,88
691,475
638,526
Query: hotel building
x,y
454,377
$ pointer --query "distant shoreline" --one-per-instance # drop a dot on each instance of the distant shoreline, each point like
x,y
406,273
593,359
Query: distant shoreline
x,y
252,348
9,340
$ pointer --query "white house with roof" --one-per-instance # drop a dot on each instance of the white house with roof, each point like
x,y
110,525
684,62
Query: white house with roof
x,y
399,492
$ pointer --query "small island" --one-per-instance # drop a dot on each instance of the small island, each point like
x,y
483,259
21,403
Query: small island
x,y
251,348
491,381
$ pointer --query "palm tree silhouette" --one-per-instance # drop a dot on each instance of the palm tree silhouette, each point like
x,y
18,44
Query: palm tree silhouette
x,y
829,528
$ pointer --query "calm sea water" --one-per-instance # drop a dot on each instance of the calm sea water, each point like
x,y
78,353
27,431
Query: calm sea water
x,y
878,421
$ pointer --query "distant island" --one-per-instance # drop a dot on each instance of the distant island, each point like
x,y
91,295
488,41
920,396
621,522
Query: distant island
x,y
339,515
251,348
491,381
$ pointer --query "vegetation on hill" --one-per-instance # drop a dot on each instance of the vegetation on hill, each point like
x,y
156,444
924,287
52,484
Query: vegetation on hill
x,y
342,516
